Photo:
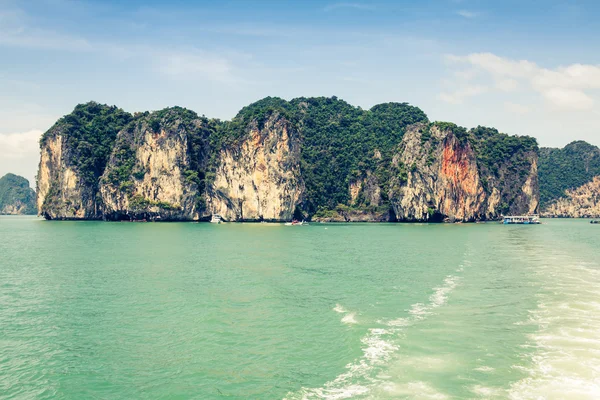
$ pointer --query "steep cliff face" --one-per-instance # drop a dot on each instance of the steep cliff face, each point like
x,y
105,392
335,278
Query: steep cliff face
x,y
583,202
73,157
437,177
258,177
440,173
16,197
153,171
61,192
318,158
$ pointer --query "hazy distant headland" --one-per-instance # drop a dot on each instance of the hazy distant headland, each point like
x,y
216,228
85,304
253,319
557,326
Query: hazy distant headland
x,y
16,197
315,158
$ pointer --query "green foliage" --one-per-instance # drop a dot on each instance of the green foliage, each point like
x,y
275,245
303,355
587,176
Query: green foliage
x,y
191,176
139,203
15,191
139,175
566,168
497,150
89,133
444,126
155,125
123,161
341,142
201,135
425,135
459,132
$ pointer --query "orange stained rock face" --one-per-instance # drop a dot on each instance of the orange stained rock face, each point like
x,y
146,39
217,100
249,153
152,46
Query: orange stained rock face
x,y
457,166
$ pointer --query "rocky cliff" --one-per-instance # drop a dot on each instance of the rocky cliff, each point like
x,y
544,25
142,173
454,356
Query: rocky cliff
x,y
258,178
583,202
440,173
74,153
16,197
314,158
564,170
156,168
438,177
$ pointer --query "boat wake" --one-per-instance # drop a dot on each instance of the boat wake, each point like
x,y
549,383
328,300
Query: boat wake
x,y
565,362
378,347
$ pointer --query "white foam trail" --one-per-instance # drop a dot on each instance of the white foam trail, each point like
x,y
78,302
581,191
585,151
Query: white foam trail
x,y
419,310
440,296
378,346
565,363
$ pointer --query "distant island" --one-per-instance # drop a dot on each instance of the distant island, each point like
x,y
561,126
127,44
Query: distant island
x,y
570,181
319,159
16,196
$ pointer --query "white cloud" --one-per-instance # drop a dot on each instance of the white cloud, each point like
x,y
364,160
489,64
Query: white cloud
x,y
467,13
569,98
466,74
565,88
516,108
507,85
14,146
357,6
19,153
496,65
458,96
196,64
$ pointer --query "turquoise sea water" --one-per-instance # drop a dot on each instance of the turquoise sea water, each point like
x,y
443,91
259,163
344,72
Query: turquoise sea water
x,y
326,311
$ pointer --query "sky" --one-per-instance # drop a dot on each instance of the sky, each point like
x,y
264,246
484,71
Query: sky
x,y
524,67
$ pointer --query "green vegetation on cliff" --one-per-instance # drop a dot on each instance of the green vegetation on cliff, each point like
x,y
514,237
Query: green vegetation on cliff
x,y
89,133
494,148
175,124
567,168
347,158
340,142
16,197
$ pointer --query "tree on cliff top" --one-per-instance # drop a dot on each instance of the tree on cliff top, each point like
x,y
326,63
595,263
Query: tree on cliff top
x,y
89,134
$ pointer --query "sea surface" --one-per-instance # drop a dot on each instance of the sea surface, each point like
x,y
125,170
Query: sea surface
x,y
93,310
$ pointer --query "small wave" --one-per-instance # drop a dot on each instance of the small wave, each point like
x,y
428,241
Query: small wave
x,y
376,349
338,394
415,389
419,310
484,368
487,392
440,296
399,322
349,318
339,309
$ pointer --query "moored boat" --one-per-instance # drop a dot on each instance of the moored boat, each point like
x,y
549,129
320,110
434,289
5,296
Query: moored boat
x,y
520,219
296,223
216,219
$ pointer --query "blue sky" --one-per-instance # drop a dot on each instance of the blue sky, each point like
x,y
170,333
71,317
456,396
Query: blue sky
x,y
524,67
